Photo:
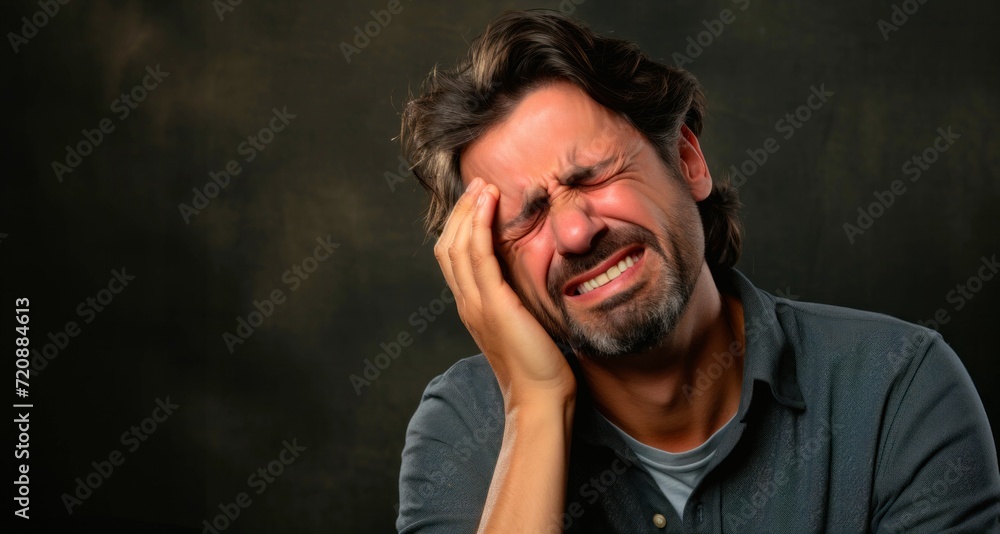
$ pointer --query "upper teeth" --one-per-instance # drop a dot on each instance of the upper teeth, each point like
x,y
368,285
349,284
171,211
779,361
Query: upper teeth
x,y
608,275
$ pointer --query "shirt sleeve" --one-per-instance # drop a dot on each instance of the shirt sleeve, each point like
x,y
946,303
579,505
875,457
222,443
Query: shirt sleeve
x,y
937,468
452,445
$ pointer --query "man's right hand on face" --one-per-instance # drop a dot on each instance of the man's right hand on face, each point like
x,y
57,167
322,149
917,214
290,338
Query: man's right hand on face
x,y
527,492
528,365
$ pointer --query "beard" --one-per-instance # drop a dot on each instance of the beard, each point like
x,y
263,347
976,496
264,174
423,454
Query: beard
x,y
639,318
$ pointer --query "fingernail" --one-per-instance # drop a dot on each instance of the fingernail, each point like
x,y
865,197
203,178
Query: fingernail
x,y
474,183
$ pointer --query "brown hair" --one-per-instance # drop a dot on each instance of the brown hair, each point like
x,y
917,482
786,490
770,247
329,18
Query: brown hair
x,y
518,52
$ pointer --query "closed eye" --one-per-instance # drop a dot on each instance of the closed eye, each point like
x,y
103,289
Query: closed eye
x,y
534,213
592,180
592,177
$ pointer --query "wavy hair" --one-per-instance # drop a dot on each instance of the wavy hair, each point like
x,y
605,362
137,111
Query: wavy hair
x,y
521,50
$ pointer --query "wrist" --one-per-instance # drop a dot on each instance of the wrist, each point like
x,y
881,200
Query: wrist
x,y
546,407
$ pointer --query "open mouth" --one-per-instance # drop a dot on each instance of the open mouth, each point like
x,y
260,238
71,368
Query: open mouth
x,y
604,273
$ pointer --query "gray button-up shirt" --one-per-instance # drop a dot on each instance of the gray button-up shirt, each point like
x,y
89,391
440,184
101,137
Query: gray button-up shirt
x,y
848,421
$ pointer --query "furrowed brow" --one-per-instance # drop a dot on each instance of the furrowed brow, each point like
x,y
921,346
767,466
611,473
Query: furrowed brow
x,y
531,202
537,196
579,173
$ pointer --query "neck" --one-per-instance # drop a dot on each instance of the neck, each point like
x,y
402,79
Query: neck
x,y
667,397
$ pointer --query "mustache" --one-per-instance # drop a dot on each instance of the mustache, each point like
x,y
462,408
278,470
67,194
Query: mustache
x,y
604,245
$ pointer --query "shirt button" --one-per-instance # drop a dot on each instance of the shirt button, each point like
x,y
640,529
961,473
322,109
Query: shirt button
x,y
659,521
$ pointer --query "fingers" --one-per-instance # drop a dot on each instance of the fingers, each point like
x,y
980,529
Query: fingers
x,y
461,264
485,267
445,250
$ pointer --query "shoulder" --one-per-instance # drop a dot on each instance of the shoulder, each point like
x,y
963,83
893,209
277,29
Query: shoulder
x,y
827,335
844,323
826,338
469,384
463,401
452,444
471,371
849,357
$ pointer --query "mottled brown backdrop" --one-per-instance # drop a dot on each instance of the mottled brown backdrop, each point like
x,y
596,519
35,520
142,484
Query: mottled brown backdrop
x,y
331,174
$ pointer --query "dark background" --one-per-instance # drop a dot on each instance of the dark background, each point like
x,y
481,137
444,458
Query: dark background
x,y
325,175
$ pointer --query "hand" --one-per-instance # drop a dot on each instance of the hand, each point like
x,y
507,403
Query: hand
x,y
526,361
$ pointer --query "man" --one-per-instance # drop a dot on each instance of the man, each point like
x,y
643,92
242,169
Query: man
x,y
631,380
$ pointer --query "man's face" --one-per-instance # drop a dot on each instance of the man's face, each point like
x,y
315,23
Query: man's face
x,y
596,237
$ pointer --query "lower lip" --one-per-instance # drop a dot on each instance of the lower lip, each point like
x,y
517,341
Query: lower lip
x,y
615,286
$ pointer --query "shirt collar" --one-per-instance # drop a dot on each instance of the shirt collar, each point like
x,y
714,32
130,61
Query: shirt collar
x,y
769,360
769,356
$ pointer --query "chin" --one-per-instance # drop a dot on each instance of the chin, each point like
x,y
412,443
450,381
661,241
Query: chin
x,y
637,326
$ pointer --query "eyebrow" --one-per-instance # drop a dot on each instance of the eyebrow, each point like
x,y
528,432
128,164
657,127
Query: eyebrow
x,y
535,196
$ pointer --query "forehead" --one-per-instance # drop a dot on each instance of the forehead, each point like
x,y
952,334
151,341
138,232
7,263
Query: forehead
x,y
553,130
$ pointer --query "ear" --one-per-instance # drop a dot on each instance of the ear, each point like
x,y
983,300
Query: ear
x,y
694,169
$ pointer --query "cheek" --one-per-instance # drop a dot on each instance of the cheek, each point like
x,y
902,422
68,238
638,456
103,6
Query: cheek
x,y
628,201
528,263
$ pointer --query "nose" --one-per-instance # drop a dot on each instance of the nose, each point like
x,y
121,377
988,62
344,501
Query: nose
x,y
574,226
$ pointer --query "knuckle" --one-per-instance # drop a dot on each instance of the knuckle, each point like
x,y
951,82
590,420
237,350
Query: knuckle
x,y
476,259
